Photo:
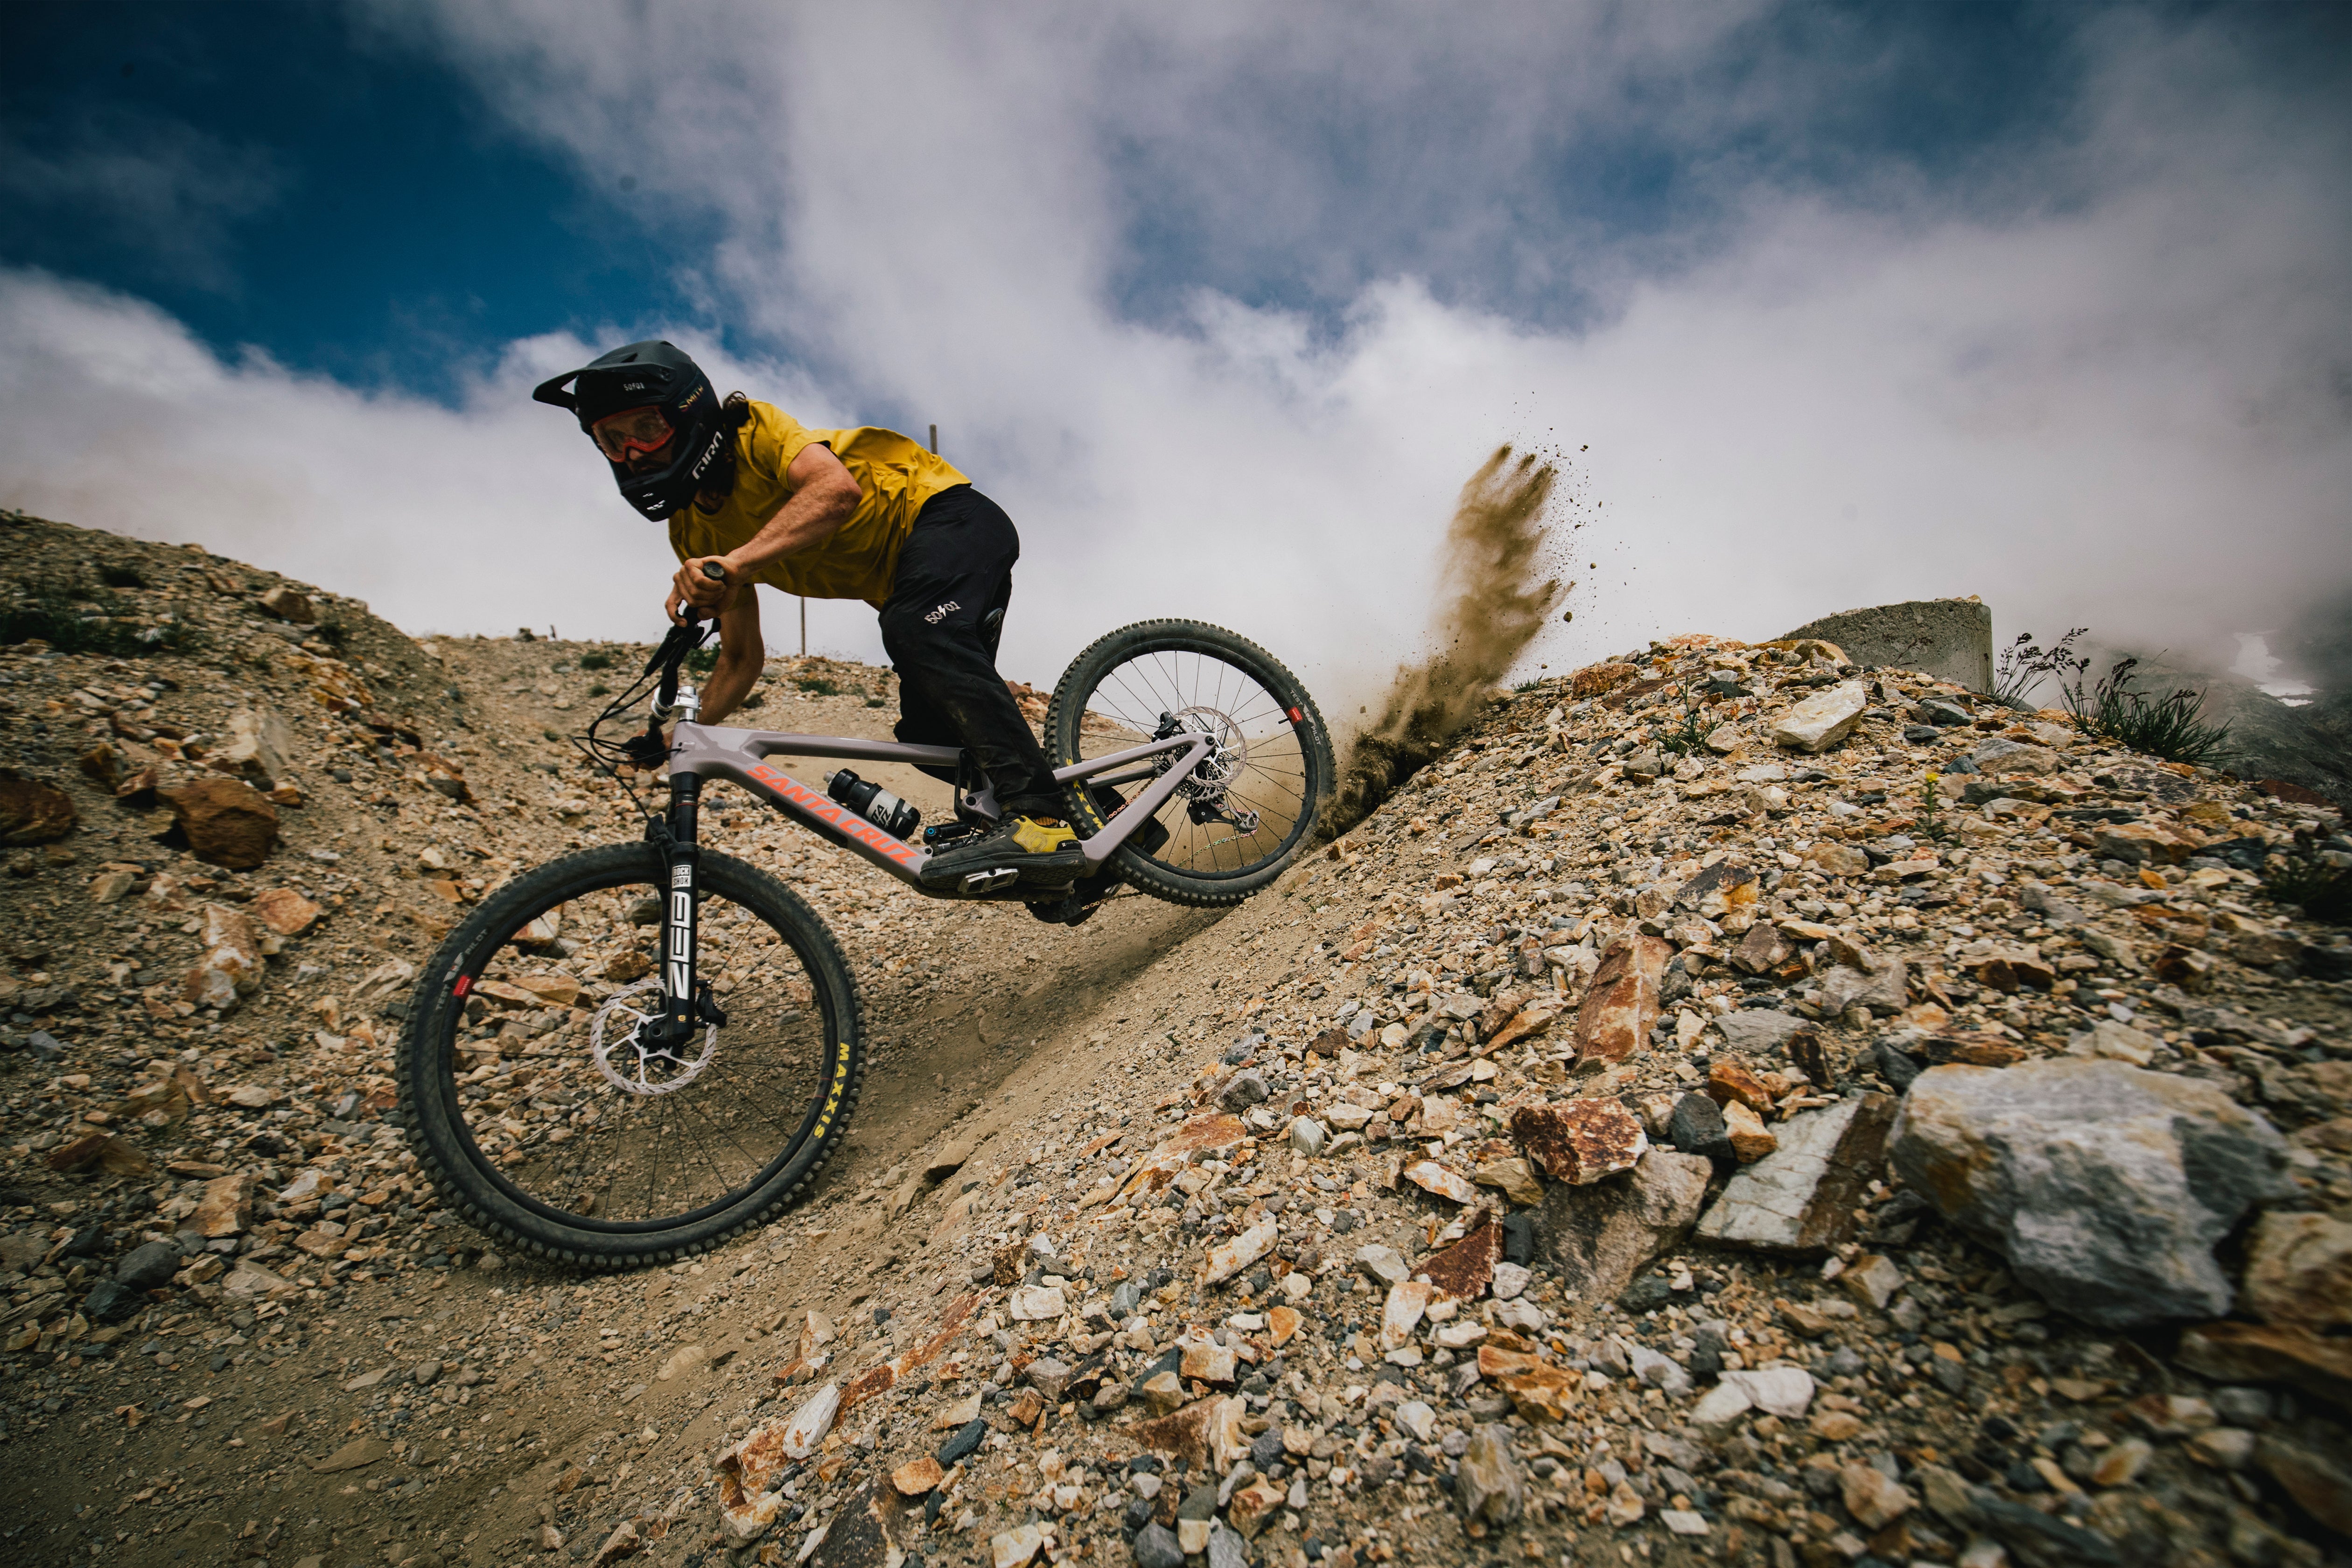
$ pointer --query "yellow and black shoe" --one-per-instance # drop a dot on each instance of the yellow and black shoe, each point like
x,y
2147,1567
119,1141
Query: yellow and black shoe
x,y
1019,849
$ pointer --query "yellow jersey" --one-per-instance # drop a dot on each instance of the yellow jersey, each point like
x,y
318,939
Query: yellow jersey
x,y
895,477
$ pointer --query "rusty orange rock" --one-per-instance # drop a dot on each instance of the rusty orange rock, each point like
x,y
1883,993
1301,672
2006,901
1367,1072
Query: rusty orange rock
x,y
1580,1140
1281,1323
104,1149
1596,679
226,823
1464,1269
285,911
1729,1081
33,811
1622,1003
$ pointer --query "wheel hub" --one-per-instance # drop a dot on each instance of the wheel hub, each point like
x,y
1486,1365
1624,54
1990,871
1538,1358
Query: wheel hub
x,y
631,1063
1228,750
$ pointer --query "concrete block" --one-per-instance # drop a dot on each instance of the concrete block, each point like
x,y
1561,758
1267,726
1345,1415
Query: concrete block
x,y
1950,639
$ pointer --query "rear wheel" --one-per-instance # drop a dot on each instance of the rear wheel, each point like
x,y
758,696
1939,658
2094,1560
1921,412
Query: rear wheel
x,y
1243,813
538,1118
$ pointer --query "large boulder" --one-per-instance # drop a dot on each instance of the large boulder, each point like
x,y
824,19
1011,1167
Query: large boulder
x,y
1599,1237
1801,1198
1950,639
226,823
1822,720
148,1266
2299,1270
233,962
1620,1005
32,810
2105,1186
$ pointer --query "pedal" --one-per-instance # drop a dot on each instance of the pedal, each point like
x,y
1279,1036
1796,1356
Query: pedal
x,y
988,881
1069,910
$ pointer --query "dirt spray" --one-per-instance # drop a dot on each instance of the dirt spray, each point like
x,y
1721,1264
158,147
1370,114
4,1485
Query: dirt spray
x,y
1494,604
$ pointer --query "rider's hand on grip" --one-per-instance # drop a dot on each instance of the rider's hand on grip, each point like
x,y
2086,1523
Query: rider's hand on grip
x,y
715,572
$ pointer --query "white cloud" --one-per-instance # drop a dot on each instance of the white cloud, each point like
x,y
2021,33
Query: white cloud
x,y
481,517
2110,392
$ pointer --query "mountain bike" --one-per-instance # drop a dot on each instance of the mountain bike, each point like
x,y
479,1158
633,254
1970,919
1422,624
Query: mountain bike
x,y
632,1053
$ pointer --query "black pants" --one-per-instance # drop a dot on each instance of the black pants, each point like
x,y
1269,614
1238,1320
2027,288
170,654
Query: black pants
x,y
941,626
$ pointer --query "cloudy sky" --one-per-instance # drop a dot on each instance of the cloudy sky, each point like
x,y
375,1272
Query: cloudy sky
x,y
1819,306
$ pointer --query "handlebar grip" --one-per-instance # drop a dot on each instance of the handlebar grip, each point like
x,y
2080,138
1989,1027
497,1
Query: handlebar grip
x,y
714,572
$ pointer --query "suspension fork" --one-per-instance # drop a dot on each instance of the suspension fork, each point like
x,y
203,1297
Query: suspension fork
x,y
684,855
687,1001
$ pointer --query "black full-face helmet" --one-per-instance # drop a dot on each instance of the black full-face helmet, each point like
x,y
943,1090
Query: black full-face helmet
x,y
682,419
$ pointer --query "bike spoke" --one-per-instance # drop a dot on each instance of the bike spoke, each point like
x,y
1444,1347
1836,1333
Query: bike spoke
x,y
1264,772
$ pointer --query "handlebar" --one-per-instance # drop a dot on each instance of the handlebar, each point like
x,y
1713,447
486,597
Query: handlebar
x,y
683,639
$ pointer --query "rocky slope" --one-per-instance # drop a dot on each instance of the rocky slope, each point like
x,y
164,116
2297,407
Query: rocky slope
x,y
1664,1132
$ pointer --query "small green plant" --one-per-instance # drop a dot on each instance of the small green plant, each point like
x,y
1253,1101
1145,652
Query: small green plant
x,y
2022,665
1929,823
596,659
2168,726
2324,892
598,689
121,577
1686,737
703,661
817,684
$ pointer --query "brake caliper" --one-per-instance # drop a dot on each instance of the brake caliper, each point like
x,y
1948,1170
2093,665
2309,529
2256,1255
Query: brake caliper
x,y
1204,788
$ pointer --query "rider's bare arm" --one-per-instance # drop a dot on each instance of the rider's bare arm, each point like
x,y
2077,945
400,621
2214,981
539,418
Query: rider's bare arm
x,y
740,654
822,496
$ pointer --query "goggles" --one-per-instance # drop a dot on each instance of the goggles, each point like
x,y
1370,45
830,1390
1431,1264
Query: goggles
x,y
630,430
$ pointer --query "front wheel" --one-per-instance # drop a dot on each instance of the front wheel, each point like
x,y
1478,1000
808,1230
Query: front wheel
x,y
540,1119
1242,814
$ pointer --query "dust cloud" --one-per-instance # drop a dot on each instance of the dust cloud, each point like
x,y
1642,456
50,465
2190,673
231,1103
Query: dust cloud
x,y
1494,607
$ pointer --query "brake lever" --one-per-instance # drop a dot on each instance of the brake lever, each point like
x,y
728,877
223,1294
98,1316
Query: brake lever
x,y
687,635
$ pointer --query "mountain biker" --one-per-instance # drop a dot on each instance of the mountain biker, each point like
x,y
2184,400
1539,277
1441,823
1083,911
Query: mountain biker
x,y
863,513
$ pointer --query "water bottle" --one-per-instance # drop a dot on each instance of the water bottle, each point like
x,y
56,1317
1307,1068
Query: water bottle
x,y
875,803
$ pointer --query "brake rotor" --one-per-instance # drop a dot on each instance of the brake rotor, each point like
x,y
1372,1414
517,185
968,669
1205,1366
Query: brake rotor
x,y
1228,750
642,1069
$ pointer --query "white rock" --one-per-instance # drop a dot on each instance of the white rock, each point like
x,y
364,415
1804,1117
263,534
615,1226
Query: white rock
x,y
1417,1418
1014,1548
1402,1313
1822,720
1510,1280
1522,1315
811,1421
1721,1405
1229,1258
2119,1042
1385,1265
1037,1304
1784,1391
1307,1136
1767,1203
1658,1371
304,1187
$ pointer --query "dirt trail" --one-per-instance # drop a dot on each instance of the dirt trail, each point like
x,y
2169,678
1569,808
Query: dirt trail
x,y
976,1017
